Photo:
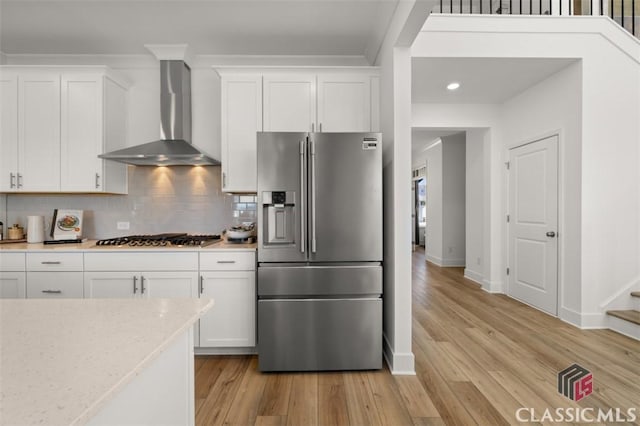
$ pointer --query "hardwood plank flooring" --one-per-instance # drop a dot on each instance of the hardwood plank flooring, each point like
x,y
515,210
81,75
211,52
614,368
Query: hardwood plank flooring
x,y
479,358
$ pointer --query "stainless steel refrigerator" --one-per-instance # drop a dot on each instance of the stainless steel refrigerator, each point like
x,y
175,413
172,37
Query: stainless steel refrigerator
x,y
319,251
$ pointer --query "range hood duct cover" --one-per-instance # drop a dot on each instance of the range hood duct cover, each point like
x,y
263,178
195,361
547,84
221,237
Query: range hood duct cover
x,y
174,148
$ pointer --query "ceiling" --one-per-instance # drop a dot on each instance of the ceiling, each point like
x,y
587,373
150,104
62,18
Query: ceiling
x,y
225,27
482,80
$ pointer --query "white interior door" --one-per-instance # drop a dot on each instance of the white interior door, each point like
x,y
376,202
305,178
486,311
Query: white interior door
x,y
533,224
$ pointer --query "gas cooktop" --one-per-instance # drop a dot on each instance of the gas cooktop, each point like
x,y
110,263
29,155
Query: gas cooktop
x,y
161,240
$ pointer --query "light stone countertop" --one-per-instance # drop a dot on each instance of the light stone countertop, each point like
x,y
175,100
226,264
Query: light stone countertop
x,y
90,246
61,361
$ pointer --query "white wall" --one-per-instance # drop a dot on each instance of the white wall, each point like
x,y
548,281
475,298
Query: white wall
x,y
434,232
474,204
453,200
601,181
395,121
445,232
555,106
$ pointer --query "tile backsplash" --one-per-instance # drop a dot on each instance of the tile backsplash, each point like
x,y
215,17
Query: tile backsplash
x,y
160,199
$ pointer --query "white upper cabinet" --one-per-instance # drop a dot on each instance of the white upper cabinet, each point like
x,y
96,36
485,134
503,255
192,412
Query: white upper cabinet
x,y
55,123
344,103
241,118
38,132
8,131
93,122
289,102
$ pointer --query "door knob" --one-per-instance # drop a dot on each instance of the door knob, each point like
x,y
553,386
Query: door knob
x,y
551,234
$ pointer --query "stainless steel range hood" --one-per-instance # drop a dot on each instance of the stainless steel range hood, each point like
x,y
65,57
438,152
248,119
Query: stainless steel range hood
x,y
174,147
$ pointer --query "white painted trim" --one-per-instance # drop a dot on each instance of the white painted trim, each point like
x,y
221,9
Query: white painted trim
x,y
225,351
474,276
434,259
458,263
569,316
602,26
400,364
593,320
144,61
621,326
492,286
622,295
584,321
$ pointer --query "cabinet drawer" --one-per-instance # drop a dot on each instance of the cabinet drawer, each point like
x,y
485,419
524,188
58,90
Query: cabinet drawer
x,y
127,261
228,261
61,285
54,262
12,262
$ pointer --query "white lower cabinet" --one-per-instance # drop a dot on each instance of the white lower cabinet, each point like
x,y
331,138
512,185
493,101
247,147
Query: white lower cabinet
x,y
12,285
52,285
232,320
229,278
150,284
12,276
54,275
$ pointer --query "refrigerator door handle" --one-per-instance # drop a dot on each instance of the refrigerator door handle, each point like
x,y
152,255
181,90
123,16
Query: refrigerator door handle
x,y
303,241
312,147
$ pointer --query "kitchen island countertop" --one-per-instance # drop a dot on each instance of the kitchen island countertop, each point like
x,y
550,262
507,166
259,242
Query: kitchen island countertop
x,y
62,361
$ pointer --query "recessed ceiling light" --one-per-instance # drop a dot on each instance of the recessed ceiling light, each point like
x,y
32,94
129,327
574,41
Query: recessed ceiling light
x,y
453,86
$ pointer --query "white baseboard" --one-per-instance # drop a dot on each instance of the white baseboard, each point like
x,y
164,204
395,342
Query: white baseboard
x,y
433,259
492,286
445,262
457,263
400,364
225,351
473,276
570,316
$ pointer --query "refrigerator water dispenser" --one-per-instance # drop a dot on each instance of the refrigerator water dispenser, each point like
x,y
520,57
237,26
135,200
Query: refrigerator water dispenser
x,y
278,208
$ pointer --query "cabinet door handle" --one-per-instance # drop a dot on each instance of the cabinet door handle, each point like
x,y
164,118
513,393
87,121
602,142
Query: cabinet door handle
x,y
224,180
313,127
97,180
52,291
12,180
320,127
141,284
135,284
19,180
226,261
51,262
201,284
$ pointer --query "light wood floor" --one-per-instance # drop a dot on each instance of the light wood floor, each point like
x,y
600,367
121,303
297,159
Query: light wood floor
x,y
479,358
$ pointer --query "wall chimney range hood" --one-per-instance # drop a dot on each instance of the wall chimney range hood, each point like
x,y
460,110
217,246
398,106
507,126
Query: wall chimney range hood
x,y
174,147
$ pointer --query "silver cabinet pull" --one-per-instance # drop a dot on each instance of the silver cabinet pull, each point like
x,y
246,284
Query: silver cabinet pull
x,y
19,180
224,180
313,127
97,180
141,284
201,284
320,127
313,196
12,180
52,291
51,262
135,284
226,261
303,243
